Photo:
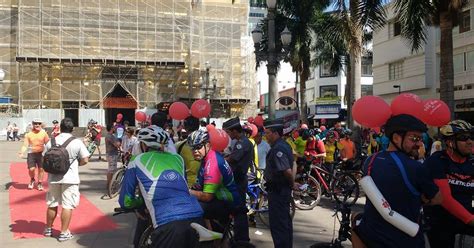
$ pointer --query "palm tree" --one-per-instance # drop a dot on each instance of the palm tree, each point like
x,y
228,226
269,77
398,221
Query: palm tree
x,y
414,15
342,31
301,16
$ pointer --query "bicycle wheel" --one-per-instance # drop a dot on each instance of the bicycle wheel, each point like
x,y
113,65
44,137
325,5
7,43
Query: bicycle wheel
x,y
116,182
345,189
310,196
145,239
262,211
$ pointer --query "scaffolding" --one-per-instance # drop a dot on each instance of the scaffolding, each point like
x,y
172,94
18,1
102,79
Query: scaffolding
x,y
70,53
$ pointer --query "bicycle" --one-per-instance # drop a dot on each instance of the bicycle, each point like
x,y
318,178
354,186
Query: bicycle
x,y
113,189
342,213
206,236
257,202
317,181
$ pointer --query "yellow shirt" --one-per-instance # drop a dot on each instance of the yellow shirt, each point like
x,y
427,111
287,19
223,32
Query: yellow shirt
x,y
330,150
35,141
300,144
191,165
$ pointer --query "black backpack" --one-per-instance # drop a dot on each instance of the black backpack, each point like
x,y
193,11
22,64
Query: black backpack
x,y
56,159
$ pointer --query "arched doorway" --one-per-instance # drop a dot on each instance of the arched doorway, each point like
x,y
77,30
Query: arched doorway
x,y
119,100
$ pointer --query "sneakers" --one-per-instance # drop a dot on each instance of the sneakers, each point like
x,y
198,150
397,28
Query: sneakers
x,y
40,187
47,232
65,236
31,184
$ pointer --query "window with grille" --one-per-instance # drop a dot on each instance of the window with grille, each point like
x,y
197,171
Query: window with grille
x,y
464,21
395,70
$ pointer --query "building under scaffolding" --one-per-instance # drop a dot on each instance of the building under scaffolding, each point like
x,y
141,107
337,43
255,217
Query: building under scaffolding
x,y
94,58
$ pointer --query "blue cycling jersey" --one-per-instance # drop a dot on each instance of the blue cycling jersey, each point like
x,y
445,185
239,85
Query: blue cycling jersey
x,y
160,176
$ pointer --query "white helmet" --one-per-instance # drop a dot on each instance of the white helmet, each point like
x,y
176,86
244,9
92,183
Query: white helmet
x,y
153,137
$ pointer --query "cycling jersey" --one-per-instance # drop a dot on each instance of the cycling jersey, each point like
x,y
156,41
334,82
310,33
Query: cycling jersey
x,y
160,176
215,177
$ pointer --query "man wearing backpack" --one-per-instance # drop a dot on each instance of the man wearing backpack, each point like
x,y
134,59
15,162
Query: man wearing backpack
x,y
64,188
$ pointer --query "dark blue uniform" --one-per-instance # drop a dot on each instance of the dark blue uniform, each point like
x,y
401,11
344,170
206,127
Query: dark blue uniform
x,y
373,229
443,225
240,158
279,159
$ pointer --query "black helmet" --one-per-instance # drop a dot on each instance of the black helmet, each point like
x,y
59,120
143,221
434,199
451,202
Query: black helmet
x,y
55,122
403,123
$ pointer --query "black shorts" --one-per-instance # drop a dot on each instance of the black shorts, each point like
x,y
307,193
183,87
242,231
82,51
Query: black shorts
x,y
34,159
176,234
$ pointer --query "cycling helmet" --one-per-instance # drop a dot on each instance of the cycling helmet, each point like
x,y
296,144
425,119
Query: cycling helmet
x,y
247,128
153,137
348,132
403,123
55,122
456,127
198,137
330,135
316,131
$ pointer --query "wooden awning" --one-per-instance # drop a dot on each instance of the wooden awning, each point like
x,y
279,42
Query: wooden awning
x,y
120,102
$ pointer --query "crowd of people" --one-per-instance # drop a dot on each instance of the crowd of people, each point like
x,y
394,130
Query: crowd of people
x,y
190,181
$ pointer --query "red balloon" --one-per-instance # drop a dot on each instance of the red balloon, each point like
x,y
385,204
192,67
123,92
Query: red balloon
x,y
140,116
200,108
407,103
179,111
258,121
210,127
435,113
218,139
250,119
371,111
254,129
323,128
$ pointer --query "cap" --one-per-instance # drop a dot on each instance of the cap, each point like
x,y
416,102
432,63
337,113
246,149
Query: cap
x,y
37,120
234,122
278,123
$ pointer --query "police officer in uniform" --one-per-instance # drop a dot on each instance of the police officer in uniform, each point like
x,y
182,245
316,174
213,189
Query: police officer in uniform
x,y
240,158
279,183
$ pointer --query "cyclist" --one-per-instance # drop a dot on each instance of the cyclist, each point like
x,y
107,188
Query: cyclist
x,y
94,133
215,187
160,176
402,181
453,172
349,150
253,172
333,149
191,124
314,146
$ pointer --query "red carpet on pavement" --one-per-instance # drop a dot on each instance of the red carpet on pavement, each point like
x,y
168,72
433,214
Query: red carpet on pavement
x,y
28,210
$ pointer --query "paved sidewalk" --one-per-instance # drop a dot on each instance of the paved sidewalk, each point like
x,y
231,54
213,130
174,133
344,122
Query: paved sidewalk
x,y
309,226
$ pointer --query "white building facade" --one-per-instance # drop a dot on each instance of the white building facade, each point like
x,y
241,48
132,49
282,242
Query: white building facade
x,y
396,68
325,92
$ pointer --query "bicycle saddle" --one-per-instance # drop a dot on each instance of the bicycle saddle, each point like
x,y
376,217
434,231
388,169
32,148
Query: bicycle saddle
x,y
205,234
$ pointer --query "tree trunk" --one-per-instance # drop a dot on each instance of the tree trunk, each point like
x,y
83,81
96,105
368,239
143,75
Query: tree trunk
x,y
446,75
304,105
348,98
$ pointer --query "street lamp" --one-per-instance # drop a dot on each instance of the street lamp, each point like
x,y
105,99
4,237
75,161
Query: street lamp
x,y
271,55
399,88
209,89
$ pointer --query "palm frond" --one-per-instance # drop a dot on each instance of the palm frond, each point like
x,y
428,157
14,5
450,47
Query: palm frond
x,y
371,13
413,15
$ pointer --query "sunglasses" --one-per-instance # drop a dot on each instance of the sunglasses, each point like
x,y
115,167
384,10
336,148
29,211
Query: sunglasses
x,y
198,147
464,137
414,139
36,123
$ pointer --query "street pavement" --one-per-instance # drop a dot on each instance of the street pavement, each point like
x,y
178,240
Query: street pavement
x,y
309,226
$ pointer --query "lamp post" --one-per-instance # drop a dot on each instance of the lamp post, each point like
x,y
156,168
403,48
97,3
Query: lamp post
x,y
271,55
209,89
399,88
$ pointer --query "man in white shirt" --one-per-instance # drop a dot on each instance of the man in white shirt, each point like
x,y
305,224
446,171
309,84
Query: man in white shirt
x,y
64,189
263,148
